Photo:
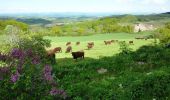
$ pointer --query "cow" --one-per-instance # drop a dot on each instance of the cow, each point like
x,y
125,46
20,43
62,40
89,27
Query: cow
x,y
91,43
77,43
68,49
68,43
112,41
57,49
130,42
116,40
139,38
78,54
90,46
51,56
107,42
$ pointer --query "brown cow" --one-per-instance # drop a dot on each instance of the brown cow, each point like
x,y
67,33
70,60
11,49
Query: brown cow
x,y
68,49
112,41
68,43
90,46
107,42
57,49
130,42
91,43
51,56
50,52
78,54
139,38
77,43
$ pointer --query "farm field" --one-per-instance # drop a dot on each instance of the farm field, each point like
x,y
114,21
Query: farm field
x,y
100,49
126,55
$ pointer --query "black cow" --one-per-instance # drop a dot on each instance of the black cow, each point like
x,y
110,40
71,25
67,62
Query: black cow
x,y
78,54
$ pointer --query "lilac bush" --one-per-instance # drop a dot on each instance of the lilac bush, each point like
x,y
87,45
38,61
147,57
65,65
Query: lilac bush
x,y
26,74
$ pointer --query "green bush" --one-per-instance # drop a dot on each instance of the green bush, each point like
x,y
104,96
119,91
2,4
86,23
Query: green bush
x,y
165,34
155,86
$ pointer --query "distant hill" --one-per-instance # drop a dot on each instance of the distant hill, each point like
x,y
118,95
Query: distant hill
x,y
34,20
166,13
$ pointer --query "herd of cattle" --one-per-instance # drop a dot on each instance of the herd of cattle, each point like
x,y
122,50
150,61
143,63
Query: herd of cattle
x,y
80,54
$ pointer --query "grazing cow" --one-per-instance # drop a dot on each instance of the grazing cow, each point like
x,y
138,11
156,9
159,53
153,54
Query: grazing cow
x,y
130,42
51,56
139,38
91,43
57,49
90,46
68,43
68,49
112,41
107,42
77,43
78,54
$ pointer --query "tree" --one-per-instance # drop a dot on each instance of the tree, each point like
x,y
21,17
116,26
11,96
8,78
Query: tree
x,y
165,33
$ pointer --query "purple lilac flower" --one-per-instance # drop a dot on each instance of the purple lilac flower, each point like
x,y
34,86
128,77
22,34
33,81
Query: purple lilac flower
x,y
17,53
55,91
15,77
36,60
47,73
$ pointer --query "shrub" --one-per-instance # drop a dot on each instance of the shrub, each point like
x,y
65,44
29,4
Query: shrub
x,y
154,86
25,76
124,47
25,72
165,34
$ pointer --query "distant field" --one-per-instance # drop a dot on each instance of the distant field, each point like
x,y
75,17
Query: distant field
x,y
100,49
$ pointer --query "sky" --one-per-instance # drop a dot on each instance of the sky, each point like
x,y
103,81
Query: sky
x,y
114,6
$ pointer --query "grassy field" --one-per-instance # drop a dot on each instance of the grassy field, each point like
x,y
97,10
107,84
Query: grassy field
x,y
100,49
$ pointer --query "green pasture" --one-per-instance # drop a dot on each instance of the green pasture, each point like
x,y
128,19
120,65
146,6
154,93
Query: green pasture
x,y
100,49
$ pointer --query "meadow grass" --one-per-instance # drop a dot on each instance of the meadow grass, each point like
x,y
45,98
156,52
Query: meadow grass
x,y
100,49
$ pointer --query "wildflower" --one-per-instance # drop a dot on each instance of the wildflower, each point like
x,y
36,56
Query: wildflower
x,y
47,73
17,53
15,77
55,91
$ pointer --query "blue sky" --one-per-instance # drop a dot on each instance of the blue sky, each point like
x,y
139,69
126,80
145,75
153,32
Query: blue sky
x,y
115,6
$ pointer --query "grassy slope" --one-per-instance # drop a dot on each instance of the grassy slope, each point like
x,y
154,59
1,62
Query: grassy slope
x,y
99,49
125,78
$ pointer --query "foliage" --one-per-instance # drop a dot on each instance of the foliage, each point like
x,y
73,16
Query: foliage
x,y
128,77
155,86
165,33
20,25
26,73
103,25
129,19
124,47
